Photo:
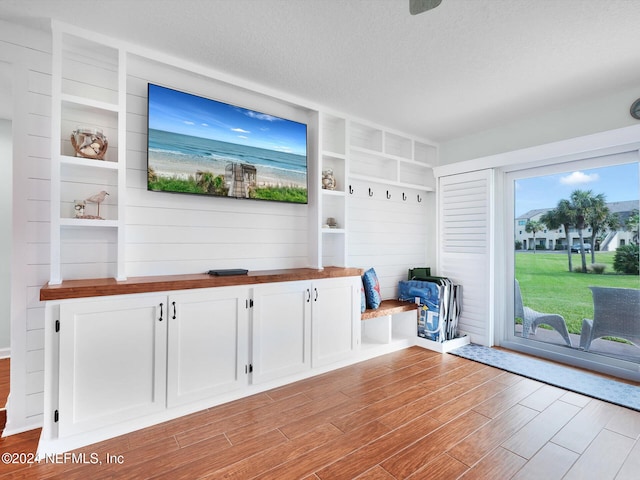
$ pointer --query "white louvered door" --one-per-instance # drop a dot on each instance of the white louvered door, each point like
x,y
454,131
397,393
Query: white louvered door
x,y
466,247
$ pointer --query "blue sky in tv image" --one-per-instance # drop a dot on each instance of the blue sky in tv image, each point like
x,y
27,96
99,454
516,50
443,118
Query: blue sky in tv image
x,y
179,112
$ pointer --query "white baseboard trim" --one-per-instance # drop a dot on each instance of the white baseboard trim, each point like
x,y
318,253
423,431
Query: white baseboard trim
x,y
443,347
5,353
12,429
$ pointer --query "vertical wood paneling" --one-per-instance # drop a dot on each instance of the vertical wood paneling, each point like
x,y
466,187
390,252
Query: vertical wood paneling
x,y
464,209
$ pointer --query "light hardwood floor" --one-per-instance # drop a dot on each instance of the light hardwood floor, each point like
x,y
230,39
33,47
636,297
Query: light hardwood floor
x,y
411,414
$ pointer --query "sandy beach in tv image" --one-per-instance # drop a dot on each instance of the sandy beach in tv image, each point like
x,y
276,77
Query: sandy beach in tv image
x,y
197,145
277,169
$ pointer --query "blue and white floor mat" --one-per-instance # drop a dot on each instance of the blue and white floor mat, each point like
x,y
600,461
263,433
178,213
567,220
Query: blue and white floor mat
x,y
618,393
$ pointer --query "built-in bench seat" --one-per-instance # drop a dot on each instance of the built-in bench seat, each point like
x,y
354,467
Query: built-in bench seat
x,y
388,307
383,329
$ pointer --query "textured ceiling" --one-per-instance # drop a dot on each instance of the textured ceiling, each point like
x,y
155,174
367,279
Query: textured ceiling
x,y
466,66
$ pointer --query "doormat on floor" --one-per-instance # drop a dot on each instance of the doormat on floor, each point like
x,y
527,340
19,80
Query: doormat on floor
x,y
618,393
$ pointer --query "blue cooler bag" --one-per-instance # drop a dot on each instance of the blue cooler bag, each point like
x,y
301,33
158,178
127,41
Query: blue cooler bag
x,y
429,294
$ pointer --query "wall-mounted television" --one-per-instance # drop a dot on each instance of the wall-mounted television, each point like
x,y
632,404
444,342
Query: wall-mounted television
x,y
202,146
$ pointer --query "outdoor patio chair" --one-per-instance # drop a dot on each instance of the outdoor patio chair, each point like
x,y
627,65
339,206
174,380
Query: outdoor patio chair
x,y
531,319
616,313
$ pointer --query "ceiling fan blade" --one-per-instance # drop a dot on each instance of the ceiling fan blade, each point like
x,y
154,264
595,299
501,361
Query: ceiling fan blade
x,y
419,6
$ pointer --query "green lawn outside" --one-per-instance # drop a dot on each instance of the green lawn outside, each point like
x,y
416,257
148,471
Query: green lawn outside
x,y
548,286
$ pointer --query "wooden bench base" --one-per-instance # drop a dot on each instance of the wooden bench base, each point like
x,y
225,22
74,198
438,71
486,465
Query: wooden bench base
x,y
388,307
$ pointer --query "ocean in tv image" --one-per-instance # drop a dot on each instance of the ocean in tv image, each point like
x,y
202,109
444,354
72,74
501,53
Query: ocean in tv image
x,y
201,146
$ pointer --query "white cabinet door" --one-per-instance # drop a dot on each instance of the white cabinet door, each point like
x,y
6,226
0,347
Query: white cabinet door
x,y
112,361
335,311
281,330
208,343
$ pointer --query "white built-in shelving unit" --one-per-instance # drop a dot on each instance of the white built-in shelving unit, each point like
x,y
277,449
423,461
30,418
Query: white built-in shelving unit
x,y
92,77
356,151
380,156
333,156
88,91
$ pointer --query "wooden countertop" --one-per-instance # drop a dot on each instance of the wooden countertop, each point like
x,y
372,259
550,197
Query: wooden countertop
x,y
100,287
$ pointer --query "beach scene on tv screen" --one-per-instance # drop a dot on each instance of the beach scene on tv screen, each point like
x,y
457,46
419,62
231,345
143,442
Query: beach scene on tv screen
x,y
202,146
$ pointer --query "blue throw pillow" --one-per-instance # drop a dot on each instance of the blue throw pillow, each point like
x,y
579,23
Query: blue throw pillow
x,y
363,298
372,288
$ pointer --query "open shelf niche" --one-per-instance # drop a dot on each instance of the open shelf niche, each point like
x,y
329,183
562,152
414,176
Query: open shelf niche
x,y
381,156
333,210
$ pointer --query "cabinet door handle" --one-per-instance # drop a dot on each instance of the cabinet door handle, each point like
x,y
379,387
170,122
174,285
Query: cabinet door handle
x,y
161,313
308,295
174,310
316,291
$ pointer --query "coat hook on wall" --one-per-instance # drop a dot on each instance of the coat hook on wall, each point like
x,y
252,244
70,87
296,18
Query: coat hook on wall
x,y
370,192
388,195
404,197
350,190
419,199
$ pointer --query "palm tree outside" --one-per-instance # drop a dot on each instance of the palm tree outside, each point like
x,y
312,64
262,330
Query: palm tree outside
x,y
581,221
584,210
534,226
561,216
633,225
581,203
599,218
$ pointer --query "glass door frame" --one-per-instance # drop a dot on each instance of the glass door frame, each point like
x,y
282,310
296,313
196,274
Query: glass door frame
x,y
506,333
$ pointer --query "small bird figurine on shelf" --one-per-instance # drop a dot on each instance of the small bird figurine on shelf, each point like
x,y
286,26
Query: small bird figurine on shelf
x,y
98,198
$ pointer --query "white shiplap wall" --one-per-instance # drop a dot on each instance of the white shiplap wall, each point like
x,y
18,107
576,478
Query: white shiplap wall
x,y
37,246
28,54
171,233
390,235
6,189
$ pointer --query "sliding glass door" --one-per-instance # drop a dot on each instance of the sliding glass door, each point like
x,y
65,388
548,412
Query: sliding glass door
x,y
575,253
